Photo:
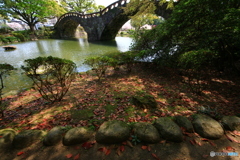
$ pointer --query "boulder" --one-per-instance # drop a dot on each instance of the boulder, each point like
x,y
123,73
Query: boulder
x,y
185,123
146,132
27,138
145,101
113,132
77,135
6,138
168,129
53,136
231,123
207,127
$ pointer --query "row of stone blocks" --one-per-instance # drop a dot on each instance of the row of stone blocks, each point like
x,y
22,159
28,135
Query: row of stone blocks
x,y
111,132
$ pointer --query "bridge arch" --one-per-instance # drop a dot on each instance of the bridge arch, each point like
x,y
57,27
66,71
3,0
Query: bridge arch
x,y
103,25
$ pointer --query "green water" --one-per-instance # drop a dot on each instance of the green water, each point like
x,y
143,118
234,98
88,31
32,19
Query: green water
x,y
75,50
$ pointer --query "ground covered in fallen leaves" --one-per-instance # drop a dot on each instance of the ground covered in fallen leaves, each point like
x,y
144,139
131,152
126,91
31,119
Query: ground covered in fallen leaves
x,y
90,102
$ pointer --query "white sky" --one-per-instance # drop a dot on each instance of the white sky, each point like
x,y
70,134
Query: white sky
x,y
105,2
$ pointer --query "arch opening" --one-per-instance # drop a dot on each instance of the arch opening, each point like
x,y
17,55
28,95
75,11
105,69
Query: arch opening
x,y
72,29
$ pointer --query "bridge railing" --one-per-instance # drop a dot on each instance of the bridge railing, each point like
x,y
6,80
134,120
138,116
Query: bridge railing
x,y
119,3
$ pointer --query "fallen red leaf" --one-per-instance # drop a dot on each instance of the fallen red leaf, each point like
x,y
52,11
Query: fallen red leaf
x,y
1,136
87,145
155,156
103,149
76,157
231,139
163,141
229,148
129,144
204,139
20,153
118,151
205,156
192,142
108,152
69,155
124,143
236,132
213,144
144,147
149,148
76,147
122,148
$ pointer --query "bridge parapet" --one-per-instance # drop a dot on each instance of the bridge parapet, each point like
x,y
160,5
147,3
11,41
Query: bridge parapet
x,y
116,4
102,25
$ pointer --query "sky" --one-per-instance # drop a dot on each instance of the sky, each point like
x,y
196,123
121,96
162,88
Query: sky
x,y
105,2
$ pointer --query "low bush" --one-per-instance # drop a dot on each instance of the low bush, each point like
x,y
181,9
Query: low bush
x,y
197,66
19,36
5,70
51,76
99,64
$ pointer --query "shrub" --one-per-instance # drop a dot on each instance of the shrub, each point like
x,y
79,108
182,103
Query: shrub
x,y
51,76
5,70
196,66
5,29
19,36
128,59
11,39
99,64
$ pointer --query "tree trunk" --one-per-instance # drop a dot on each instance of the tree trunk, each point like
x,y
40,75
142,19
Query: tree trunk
x,y
33,35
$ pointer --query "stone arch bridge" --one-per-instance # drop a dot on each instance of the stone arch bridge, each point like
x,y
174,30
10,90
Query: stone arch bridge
x,y
100,26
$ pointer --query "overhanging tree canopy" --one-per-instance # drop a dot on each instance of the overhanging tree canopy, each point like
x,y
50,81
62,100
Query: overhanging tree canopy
x,y
30,11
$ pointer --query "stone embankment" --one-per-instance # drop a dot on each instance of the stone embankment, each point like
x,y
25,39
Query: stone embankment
x,y
111,132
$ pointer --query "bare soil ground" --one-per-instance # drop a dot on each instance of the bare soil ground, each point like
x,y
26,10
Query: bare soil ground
x,y
90,103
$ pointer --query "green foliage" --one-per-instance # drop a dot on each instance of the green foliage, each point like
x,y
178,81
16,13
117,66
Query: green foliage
x,y
210,112
51,76
135,139
5,70
19,36
5,29
197,66
29,11
25,33
11,39
139,21
80,6
99,64
196,25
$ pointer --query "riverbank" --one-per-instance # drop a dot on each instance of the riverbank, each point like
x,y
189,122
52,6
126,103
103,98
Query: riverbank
x,y
91,102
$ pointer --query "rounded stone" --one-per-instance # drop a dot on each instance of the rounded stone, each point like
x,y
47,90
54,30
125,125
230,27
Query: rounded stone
x,y
76,136
207,127
185,123
113,132
231,123
53,136
26,138
146,132
168,129
6,138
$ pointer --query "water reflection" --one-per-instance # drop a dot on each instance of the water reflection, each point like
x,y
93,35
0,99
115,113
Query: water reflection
x,y
75,50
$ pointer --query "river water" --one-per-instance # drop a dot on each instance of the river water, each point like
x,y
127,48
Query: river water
x,y
75,50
